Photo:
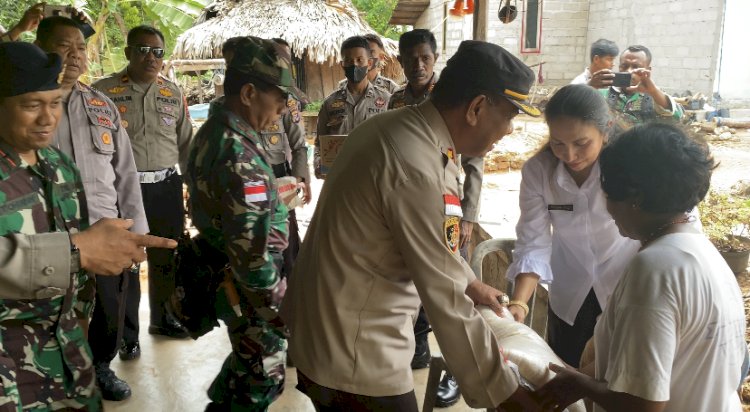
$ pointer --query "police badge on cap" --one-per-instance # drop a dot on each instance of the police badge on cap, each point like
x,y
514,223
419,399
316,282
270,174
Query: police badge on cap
x,y
25,68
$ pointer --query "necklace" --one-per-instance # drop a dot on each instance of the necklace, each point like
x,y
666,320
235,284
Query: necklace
x,y
661,229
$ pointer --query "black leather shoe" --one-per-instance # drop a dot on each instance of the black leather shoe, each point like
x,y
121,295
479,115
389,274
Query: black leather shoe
x,y
217,407
169,326
447,392
112,387
422,354
130,351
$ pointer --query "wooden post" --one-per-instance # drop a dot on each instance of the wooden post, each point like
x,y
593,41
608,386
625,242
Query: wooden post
x,y
481,17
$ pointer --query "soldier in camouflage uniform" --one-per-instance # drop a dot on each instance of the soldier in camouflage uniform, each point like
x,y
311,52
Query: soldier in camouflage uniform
x,y
282,138
643,101
235,206
360,100
43,347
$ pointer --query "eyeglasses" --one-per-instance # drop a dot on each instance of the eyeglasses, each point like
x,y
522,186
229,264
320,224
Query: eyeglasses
x,y
158,52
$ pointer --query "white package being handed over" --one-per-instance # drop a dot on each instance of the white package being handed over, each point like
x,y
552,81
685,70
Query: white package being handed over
x,y
526,349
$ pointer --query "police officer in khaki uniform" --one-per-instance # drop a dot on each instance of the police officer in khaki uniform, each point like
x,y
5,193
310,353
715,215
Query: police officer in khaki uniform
x,y
417,55
394,190
90,133
346,108
377,50
154,113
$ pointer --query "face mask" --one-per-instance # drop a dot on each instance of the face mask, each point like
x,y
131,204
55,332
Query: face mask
x,y
355,74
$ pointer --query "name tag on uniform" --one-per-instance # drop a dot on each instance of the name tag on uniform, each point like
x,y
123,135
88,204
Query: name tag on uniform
x,y
568,208
452,206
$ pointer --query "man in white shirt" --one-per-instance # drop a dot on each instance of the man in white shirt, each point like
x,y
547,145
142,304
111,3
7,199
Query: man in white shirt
x,y
599,74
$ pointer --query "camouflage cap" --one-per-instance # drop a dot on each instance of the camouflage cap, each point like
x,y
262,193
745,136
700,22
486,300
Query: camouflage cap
x,y
268,61
25,68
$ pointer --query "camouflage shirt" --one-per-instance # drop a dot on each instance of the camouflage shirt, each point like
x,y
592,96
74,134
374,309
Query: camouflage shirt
x,y
630,110
42,347
234,204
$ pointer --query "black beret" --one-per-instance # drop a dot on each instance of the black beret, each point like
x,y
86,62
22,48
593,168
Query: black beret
x,y
493,68
25,68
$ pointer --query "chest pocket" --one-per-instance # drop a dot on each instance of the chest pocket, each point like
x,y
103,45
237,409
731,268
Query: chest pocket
x,y
102,125
167,114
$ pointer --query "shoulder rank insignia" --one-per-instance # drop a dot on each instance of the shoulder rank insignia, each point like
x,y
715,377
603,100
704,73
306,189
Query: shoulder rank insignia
x,y
273,128
337,104
165,92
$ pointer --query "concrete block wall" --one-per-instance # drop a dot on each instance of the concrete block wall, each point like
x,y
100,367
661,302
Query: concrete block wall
x,y
683,36
564,32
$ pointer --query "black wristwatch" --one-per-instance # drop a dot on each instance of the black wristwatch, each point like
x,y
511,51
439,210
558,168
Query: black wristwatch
x,y
75,257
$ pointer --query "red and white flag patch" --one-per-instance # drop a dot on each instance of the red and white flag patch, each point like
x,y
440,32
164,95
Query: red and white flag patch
x,y
452,206
255,191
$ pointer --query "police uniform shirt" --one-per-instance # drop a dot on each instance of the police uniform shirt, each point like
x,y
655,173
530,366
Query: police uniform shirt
x,y
342,112
91,134
473,167
355,293
156,119
404,96
286,138
380,82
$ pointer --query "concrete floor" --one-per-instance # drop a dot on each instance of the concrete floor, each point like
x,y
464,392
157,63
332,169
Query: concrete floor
x,y
173,375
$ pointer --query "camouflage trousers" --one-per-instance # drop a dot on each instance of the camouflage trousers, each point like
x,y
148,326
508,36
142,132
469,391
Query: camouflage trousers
x,y
252,376
47,397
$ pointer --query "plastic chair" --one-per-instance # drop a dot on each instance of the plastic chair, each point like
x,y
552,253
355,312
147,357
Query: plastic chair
x,y
536,320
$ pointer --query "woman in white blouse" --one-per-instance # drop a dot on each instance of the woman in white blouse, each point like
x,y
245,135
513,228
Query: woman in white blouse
x,y
565,236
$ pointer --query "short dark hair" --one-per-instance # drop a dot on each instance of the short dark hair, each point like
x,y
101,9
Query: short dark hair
x,y
604,47
48,25
637,48
281,41
375,39
354,42
415,37
659,164
235,80
451,91
231,44
581,102
143,29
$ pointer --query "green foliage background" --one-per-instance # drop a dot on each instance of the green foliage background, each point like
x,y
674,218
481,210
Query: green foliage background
x,y
377,13
112,19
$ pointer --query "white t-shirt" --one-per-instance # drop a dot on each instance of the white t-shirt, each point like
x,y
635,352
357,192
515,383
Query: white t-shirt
x,y
567,237
582,78
674,328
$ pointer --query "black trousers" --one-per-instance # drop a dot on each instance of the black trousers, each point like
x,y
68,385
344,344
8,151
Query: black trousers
x,y
568,341
165,213
106,326
332,400
132,295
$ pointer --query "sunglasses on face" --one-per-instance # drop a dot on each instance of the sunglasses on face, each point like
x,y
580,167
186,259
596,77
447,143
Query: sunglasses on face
x,y
158,52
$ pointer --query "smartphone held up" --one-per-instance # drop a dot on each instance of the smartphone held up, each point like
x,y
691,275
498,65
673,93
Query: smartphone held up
x,y
71,13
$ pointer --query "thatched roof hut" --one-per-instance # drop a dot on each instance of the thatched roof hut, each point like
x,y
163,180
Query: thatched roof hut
x,y
315,30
